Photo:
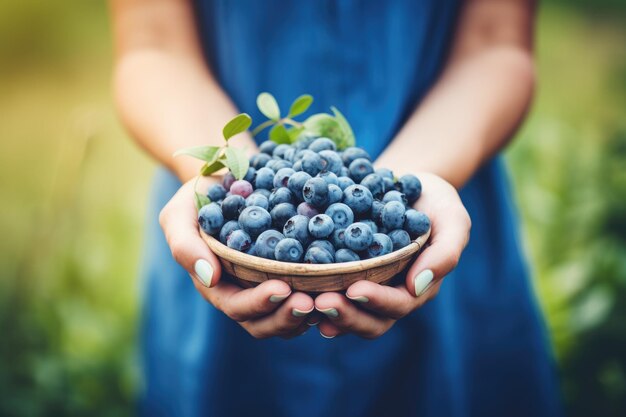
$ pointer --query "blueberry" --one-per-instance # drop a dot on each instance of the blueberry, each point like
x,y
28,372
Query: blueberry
x,y
322,144
278,164
216,192
303,141
360,168
252,249
255,220
344,182
280,195
394,195
333,161
228,180
297,227
318,256
385,173
281,213
297,166
376,211
392,216
338,238
259,160
307,210
346,255
358,198
266,243
232,206
242,188
323,244
268,147
411,186
358,236
416,223
210,218
345,172
250,175
312,163
315,192
263,192
288,250
335,195
279,151
341,214
264,178
375,184
321,226
388,184
239,240
400,238
257,200
296,184
329,177
229,227
289,154
352,153
282,176
381,245
373,226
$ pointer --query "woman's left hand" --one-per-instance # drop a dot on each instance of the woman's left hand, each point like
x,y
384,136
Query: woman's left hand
x,y
369,309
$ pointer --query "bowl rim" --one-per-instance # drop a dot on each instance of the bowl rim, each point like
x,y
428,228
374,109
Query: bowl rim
x,y
289,268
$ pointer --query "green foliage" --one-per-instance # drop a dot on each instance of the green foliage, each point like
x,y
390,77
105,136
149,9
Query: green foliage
x,y
237,161
334,127
238,124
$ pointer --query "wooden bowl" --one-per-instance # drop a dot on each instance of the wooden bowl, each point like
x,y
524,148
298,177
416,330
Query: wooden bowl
x,y
250,270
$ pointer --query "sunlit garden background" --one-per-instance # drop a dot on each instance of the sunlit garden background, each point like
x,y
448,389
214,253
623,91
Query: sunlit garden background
x,y
73,191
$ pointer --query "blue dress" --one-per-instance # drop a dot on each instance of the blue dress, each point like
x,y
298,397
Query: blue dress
x,y
478,349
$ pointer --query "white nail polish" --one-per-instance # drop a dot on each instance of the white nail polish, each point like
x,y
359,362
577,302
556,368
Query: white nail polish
x,y
330,312
300,313
326,337
204,271
422,280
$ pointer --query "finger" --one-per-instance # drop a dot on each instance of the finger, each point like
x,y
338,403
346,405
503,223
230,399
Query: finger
x,y
285,321
247,304
386,301
314,318
179,222
328,330
349,318
449,236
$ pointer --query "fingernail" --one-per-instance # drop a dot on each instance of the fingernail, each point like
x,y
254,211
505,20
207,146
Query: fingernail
x,y
300,313
422,280
312,324
360,298
204,271
330,312
279,298
326,337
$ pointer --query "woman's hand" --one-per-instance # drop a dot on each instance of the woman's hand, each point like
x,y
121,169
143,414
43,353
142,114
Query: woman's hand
x,y
369,309
267,310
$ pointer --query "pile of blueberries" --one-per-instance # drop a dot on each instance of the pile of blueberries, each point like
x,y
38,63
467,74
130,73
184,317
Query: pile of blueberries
x,y
307,202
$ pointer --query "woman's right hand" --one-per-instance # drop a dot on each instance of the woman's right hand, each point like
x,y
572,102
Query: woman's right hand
x,y
268,310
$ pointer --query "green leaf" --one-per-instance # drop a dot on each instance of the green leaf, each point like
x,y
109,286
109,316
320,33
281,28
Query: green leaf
x,y
211,168
300,105
262,126
348,135
237,161
201,200
294,133
279,134
205,153
238,124
268,106
325,125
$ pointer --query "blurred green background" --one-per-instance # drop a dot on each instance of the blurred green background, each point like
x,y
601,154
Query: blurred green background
x,y
74,188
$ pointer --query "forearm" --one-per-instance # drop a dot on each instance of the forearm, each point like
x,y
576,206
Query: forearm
x,y
469,115
168,103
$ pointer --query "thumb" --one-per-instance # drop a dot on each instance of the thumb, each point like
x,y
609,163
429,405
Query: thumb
x,y
179,222
449,236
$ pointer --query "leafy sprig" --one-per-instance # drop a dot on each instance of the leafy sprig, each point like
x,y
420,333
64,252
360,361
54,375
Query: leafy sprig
x,y
287,130
217,157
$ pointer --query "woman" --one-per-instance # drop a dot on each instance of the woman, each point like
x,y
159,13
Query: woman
x,y
434,88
